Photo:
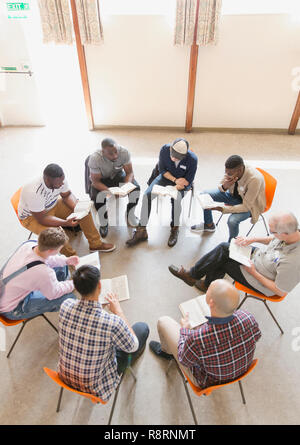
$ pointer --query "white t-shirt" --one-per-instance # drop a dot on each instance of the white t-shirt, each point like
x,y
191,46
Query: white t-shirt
x,y
36,197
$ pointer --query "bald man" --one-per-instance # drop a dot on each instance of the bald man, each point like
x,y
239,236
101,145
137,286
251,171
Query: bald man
x,y
221,349
274,269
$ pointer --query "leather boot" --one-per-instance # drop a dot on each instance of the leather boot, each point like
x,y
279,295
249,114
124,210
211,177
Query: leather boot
x,y
173,236
140,234
183,274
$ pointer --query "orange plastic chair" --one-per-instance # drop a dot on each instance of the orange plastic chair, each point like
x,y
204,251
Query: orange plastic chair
x,y
15,199
206,391
6,322
55,377
270,188
261,297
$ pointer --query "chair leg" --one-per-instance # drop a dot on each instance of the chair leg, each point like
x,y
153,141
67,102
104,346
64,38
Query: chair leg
x,y
30,235
59,400
250,229
14,343
242,392
52,325
132,373
271,313
187,393
115,400
219,219
266,227
191,199
240,305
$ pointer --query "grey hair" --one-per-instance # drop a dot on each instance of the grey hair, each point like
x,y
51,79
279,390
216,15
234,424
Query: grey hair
x,y
285,223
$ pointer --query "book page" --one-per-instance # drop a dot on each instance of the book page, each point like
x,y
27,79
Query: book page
x,y
207,202
81,209
197,309
115,190
169,190
116,285
91,260
127,188
159,190
172,191
241,254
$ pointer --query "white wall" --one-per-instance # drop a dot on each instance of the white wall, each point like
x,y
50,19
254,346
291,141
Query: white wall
x,y
139,78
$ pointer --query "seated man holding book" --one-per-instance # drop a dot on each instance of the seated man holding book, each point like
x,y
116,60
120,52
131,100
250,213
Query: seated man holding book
x,y
48,201
111,170
242,190
218,351
37,277
96,346
177,168
274,268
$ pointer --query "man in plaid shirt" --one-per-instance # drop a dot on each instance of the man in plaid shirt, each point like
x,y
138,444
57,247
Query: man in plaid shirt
x,y
219,351
95,346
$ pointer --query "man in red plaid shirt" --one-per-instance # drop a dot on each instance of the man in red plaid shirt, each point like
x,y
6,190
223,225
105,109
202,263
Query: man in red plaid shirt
x,y
219,351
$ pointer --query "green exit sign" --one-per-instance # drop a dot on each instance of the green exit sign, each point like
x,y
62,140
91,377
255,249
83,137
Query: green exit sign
x,y
17,6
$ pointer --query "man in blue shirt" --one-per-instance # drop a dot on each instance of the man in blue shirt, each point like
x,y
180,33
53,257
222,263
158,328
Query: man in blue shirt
x,y
177,167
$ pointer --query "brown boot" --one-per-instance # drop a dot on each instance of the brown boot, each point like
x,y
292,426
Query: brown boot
x,y
173,236
182,274
103,247
200,284
140,234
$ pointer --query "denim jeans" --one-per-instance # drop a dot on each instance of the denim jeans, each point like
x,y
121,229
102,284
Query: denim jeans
x,y
125,359
99,198
149,196
36,303
234,219
215,264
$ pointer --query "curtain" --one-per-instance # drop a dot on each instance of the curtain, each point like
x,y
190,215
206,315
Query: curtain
x,y
90,26
56,21
208,21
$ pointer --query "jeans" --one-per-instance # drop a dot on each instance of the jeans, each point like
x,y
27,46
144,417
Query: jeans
x,y
234,219
35,303
99,198
215,264
125,359
149,196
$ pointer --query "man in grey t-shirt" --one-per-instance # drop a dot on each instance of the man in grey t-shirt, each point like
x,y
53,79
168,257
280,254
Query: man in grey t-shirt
x,y
111,166
274,269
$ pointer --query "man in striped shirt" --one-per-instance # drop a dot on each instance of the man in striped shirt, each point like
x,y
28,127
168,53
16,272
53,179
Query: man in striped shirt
x,y
96,346
221,350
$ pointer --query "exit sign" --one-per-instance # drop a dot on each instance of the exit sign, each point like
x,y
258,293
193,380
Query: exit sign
x,y
17,6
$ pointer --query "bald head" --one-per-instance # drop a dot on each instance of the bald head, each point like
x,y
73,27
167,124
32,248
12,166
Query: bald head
x,y
222,297
283,222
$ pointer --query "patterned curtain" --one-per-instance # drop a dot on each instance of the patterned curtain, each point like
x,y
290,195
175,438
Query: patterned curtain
x,y
56,21
208,20
90,26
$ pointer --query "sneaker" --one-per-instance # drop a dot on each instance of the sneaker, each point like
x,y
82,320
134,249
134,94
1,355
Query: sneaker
x,y
104,247
140,234
156,348
202,227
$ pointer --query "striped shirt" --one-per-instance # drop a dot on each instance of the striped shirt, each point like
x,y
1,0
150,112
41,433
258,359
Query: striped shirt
x,y
88,339
37,197
221,350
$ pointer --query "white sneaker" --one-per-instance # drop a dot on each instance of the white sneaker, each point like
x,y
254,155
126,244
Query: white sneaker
x,y
203,228
132,220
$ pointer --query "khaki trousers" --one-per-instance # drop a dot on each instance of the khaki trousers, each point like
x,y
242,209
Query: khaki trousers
x,y
61,210
169,334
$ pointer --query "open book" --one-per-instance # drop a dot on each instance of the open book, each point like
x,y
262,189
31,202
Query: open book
x,y
168,190
123,190
197,309
241,254
207,202
91,260
81,210
116,285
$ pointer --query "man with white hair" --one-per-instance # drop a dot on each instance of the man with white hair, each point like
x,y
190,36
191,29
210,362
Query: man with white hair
x,y
220,350
177,167
274,269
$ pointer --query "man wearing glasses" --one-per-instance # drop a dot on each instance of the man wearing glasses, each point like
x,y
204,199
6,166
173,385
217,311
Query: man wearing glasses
x,y
274,269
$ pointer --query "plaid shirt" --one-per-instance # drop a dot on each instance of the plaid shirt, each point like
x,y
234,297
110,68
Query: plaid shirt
x,y
88,338
221,350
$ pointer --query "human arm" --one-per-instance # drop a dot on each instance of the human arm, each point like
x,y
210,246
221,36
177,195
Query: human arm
x,y
115,307
69,200
129,173
53,221
97,183
246,241
253,189
270,284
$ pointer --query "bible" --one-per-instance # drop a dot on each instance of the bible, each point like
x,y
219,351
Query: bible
x,y
207,202
124,190
241,254
116,285
81,210
197,308
168,190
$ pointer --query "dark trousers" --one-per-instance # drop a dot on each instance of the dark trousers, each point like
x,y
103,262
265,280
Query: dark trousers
x,y
215,264
125,359
99,198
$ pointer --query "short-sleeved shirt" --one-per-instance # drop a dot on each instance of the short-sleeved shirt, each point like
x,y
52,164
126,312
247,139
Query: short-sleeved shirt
x,y
99,164
88,339
37,197
278,261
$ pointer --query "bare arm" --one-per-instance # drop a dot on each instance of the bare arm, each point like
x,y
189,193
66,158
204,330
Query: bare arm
x,y
69,199
129,173
97,183
264,281
52,221
115,308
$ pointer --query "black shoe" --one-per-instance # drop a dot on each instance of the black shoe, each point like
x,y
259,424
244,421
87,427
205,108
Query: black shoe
x,y
173,236
103,231
156,348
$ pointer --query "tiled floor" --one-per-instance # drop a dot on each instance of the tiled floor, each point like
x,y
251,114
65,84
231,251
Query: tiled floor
x,y
272,391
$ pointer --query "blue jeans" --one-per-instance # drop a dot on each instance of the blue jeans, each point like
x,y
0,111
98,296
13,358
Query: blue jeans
x,y
149,196
125,359
35,303
234,219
